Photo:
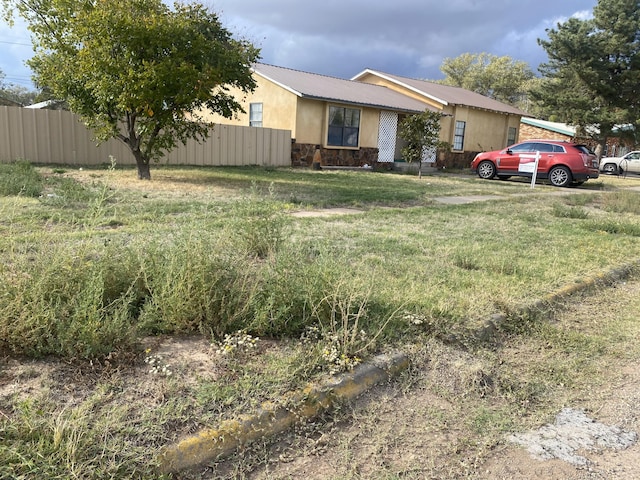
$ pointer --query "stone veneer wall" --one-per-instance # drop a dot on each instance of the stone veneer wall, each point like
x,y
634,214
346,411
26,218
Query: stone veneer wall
x,y
302,156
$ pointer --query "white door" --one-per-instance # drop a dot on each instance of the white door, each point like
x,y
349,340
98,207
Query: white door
x,y
387,134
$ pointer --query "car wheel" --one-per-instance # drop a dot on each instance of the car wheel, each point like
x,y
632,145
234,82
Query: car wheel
x,y
560,176
610,168
486,169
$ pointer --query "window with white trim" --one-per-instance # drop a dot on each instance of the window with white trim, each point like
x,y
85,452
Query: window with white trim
x,y
458,135
255,114
344,127
511,136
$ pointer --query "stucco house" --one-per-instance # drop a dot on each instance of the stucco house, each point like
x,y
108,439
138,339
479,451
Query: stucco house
x,y
355,122
471,122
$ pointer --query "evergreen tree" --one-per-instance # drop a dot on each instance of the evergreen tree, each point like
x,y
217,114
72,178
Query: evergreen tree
x,y
592,78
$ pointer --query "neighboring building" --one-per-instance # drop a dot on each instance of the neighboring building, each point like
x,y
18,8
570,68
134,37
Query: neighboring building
x,y
472,122
48,105
353,124
533,128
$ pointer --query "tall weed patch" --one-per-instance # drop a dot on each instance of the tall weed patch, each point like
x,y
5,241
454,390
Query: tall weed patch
x,y
63,300
20,178
196,283
260,223
290,285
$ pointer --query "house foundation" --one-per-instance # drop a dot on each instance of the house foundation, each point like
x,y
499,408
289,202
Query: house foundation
x,y
302,155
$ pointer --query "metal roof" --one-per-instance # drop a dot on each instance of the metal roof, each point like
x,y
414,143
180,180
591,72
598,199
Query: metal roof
x,y
566,129
556,127
445,94
332,89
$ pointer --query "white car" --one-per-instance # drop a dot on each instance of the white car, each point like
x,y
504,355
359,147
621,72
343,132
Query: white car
x,y
618,165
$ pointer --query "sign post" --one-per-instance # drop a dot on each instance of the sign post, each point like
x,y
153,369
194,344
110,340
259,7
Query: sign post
x,y
529,164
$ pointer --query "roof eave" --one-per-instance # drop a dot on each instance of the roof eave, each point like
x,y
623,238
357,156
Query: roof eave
x,y
281,85
485,109
402,84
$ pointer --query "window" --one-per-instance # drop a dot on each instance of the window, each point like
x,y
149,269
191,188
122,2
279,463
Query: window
x,y
511,136
523,147
344,127
547,148
255,114
544,147
458,136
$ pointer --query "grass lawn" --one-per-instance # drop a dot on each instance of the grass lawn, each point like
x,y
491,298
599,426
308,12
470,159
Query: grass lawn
x,y
100,269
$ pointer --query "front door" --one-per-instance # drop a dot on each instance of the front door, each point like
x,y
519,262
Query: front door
x,y
387,135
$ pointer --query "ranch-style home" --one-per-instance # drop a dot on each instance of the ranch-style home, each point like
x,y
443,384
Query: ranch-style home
x,y
471,122
355,122
352,124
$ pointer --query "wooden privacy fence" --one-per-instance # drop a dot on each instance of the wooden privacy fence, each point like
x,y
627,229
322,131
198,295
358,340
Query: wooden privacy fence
x,y
58,137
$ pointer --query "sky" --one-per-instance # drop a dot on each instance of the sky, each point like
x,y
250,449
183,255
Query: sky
x,y
341,38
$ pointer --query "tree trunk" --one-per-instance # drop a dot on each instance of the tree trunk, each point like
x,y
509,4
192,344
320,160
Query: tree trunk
x,y
144,172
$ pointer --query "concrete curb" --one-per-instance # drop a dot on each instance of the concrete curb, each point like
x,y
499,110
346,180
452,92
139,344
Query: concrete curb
x,y
271,419
307,404
618,274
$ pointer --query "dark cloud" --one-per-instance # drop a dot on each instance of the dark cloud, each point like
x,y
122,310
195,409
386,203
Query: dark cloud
x,y
406,37
343,37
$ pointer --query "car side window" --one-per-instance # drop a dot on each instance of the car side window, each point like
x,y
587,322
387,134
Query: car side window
x,y
543,147
634,156
523,147
558,149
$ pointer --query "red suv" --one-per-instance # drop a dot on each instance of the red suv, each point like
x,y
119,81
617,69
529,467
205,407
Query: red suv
x,y
562,163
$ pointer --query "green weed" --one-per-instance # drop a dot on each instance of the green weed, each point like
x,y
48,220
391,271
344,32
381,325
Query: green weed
x,y
563,211
622,201
260,222
615,226
20,178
